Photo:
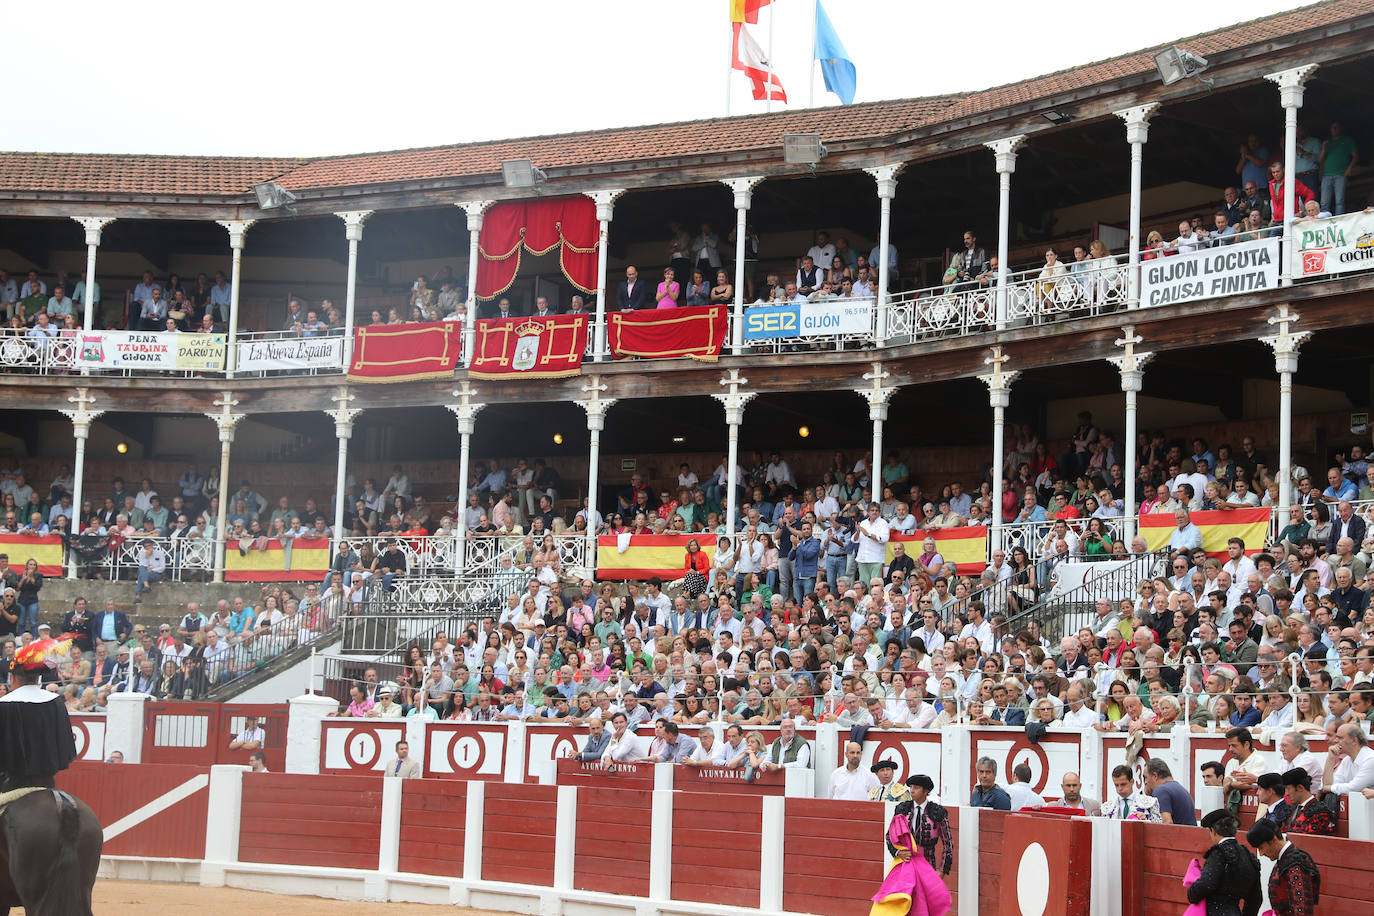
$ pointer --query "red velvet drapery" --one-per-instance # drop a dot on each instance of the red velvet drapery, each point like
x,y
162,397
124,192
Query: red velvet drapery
x,y
538,226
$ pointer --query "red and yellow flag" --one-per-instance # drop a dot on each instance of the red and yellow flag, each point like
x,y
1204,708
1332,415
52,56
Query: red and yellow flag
x,y
47,550
747,10
648,555
1217,527
967,546
306,562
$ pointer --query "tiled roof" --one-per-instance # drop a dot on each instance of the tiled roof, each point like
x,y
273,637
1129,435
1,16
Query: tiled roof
x,y
229,176
135,174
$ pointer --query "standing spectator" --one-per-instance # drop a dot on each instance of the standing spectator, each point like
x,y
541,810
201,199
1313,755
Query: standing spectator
x,y
1339,156
1307,158
1175,804
1301,193
851,781
30,582
987,793
403,766
1254,159
706,250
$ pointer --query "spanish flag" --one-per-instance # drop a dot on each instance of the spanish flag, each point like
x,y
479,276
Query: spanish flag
x,y
306,560
1217,527
968,546
47,550
646,555
747,10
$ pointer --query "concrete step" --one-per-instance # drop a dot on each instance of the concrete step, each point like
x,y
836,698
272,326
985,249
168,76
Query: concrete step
x,y
165,601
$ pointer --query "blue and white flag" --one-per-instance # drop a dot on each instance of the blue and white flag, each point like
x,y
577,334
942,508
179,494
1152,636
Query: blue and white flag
x,y
840,75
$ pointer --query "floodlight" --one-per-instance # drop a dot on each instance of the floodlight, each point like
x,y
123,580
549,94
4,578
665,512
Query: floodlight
x,y
520,173
271,195
1174,64
802,149
1057,116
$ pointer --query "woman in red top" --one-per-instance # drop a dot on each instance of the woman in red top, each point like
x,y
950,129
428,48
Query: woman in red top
x,y
698,567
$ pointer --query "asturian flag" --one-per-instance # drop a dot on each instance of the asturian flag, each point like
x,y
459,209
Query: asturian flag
x,y
750,59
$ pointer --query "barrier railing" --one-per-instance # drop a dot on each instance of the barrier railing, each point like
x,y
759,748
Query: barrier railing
x,y
118,557
1062,613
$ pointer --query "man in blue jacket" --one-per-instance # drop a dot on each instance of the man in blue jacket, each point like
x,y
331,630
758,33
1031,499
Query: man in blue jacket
x,y
805,557
110,624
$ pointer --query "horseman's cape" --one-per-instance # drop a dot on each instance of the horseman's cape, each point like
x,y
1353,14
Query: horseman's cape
x,y
35,735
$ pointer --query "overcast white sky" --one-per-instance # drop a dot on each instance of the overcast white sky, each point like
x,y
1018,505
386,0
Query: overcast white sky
x,y
298,77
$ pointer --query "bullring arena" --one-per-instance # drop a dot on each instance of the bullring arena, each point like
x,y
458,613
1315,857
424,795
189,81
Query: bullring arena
x,y
407,562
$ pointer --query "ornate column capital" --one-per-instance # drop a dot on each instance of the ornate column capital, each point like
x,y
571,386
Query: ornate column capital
x,y
238,228
1285,343
886,177
1291,83
594,404
1005,151
93,226
83,414
474,210
225,419
343,415
1137,121
999,380
734,399
465,410
353,223
743,189
1131,362
878,394
605,202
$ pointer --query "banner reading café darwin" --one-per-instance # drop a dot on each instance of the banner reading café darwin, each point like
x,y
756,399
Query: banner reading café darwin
x,y
1334,246
1246,267
153,350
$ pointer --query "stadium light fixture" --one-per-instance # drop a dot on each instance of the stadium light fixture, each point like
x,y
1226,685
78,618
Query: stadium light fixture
x,y
1174,64
802,149
520,173
1057,116
272,196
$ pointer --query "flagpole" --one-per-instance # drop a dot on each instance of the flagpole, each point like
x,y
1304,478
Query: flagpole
x,y
768,87
811,67
729,71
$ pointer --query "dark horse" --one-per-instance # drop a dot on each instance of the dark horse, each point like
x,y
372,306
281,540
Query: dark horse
x,y
49,855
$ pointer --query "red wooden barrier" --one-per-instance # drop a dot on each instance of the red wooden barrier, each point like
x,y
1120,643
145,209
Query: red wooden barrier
x,y
116,792
727,781
716,848
991,825
833,855
199,733
518,833
612,853
638,776
332,821
1347,868
1050,854
433,827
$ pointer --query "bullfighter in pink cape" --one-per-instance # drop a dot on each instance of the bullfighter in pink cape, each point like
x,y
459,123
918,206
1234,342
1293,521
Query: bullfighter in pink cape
x,y
913,887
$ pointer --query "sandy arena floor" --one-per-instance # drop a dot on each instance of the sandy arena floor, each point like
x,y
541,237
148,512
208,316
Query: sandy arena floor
x,y
138,898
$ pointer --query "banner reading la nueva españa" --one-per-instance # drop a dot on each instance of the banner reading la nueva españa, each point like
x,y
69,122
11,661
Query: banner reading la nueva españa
x,y
290,353
1247,267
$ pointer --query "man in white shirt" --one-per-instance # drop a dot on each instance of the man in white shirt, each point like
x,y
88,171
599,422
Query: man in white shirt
x,y
1022,795
1355,772
871,535
930,632
1079,714
851,781
624,746
978,626
1188,240
915,712
750,556
823,252
732,752
778,473
1294,750
251,738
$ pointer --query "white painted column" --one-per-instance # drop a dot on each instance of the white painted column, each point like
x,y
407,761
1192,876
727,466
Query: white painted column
x,y
1290,83
389,841
1005,151
224,812
1137,133
661,845
465,411
353,231
970,871
474,210
999,395
93,226
733,401
474,819
343,417
772,841
304,715
238,228
877,395
124,725
886,177
81,416
565,838
595,406
605,210
1131,365
1285,345
225,420
743,189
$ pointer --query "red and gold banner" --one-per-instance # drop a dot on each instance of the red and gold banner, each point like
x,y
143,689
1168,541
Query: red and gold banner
x,y
47,550
306,560
1217,527
538,226
967,546
648,555
405,352
549,347
696,331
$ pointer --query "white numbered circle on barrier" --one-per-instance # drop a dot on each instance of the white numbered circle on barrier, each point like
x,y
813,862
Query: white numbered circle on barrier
x,y
362,750
79,735
465,753
1033,881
